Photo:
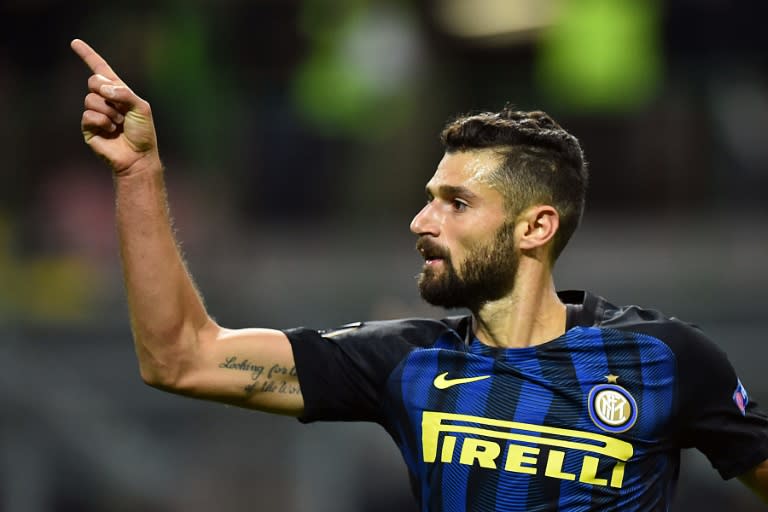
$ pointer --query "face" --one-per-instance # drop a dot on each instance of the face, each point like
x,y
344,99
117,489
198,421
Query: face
x,y
464,234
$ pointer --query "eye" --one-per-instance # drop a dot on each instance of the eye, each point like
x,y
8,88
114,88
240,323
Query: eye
x,y
459,205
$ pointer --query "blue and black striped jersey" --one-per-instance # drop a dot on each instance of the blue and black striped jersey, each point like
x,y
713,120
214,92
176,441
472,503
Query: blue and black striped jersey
x,y
592,420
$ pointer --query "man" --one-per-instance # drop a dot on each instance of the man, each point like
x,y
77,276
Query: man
x,y
537,401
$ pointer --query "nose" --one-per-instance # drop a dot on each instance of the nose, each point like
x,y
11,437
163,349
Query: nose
x,y
425,223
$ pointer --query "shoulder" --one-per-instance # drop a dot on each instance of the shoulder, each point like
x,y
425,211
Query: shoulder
x,y
413,332
650,327
682,337
590,310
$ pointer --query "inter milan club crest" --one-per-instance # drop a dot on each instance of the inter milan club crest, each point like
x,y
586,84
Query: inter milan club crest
x,y
611,407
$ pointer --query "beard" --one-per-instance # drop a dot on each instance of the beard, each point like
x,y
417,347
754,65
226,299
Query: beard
x,y
487,273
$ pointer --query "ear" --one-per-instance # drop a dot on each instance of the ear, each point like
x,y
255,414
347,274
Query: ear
x,y
536,226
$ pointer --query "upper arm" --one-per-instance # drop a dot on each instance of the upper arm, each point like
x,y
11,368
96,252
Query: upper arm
x,y
345,372
757,480
251,368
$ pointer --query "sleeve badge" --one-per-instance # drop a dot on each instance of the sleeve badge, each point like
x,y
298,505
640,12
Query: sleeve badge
x,y
740,397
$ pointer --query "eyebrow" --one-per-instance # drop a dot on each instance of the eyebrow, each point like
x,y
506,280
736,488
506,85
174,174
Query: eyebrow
x,y
453,191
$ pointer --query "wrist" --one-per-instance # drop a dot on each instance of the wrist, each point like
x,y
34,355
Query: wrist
x,y
148,163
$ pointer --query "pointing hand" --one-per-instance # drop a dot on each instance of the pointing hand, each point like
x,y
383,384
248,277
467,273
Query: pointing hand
x,y
116,123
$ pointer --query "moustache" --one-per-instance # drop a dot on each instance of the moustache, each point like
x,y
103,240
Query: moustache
x,y
432,250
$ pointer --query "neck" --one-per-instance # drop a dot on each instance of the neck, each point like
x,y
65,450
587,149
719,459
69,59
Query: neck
x,y
530,315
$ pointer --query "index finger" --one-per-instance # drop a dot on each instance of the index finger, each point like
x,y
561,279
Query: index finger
x,y
93,60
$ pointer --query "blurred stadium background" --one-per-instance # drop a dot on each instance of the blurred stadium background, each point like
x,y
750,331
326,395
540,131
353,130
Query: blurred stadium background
x,y
298,135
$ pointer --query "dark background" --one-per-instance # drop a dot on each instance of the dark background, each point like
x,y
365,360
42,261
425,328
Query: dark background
x,y
298,136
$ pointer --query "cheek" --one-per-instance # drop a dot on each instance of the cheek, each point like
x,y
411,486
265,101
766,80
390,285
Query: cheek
x,y
462,250
473,235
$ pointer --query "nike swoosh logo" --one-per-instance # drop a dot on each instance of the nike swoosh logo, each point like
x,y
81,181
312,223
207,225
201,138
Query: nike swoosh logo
x,y
441,382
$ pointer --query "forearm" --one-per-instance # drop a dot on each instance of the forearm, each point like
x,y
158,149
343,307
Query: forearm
x,y
166,312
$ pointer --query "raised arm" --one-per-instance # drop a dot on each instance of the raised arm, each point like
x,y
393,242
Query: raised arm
x,y
179,347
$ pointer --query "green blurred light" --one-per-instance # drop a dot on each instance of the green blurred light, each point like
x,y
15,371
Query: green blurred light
x,y
183,75
602,55
331,92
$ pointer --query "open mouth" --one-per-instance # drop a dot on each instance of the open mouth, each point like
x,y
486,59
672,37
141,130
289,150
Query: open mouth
x,y
431,253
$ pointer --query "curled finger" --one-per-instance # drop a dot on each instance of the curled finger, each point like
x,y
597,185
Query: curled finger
x,y
97,103
123,97
96,81
96,122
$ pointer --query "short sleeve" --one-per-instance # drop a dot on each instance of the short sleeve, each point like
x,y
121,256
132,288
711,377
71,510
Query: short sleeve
x,y
343,372
717,416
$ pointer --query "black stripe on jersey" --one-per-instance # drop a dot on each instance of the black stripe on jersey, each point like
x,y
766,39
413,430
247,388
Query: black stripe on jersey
x,y
501,402
559,367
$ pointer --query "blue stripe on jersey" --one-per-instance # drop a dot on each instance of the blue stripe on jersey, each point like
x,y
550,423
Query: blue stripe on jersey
x,y
658,365
588,356
471,400
402,435
590,363
413,386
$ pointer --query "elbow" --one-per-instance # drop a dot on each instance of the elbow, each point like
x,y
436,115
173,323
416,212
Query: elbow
x,y
164,379
162,359
167,365
169,369
178,379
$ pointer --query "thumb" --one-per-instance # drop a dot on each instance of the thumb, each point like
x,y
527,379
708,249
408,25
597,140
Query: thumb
x,y
138,127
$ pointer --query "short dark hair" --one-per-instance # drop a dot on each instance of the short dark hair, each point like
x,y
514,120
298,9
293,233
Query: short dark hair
x,y
541,162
